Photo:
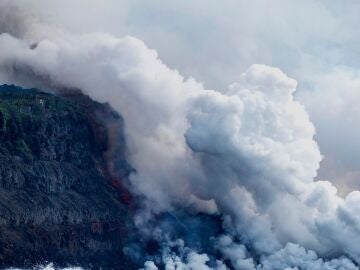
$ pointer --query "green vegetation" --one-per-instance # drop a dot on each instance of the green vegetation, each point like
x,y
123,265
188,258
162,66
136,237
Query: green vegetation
x,y
30,111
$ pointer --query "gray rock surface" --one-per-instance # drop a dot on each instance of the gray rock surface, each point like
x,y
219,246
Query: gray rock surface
x,y
62,173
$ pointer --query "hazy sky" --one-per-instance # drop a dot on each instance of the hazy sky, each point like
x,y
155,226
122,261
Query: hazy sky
x,y
315,42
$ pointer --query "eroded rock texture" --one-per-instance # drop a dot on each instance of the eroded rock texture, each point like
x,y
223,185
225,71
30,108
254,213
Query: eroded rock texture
x,y
62,173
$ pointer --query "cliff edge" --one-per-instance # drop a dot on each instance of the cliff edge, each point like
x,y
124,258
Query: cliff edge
x,y
62,167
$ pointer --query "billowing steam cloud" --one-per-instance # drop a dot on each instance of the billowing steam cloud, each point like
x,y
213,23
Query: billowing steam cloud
x,y
246,152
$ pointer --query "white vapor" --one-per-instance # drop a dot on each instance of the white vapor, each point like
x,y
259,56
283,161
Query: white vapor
x,y
216,40
247,152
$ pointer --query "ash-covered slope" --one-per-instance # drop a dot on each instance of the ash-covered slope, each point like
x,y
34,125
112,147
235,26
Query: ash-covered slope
x,y
61,196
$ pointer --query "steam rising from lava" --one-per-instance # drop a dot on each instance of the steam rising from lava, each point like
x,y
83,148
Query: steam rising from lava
x,y
246,153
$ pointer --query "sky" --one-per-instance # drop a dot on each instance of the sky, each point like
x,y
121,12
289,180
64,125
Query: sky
x,y
314,42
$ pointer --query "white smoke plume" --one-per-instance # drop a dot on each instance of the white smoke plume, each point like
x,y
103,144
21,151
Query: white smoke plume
x,y
246,152
292,256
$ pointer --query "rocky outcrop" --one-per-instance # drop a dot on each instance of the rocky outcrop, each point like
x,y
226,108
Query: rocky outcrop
x,y
62,172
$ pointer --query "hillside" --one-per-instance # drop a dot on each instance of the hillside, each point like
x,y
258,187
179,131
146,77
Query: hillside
x,y
62,169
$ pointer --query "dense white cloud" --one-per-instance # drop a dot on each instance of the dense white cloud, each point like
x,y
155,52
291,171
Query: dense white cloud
x,y
292,256
256,145
215,41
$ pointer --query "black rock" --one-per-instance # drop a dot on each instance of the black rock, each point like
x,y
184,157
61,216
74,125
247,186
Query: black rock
x,y
62,175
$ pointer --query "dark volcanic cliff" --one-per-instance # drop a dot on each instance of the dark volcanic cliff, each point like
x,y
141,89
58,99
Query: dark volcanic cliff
x,y
61,195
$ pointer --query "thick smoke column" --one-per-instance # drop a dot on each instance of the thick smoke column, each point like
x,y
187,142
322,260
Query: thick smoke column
x,y
255,145
246,153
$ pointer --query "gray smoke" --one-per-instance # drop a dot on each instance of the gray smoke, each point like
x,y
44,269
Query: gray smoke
x,y
246,153
14,19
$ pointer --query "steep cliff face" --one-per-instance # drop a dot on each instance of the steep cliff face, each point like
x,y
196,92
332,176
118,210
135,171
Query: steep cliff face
x,y
62,167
